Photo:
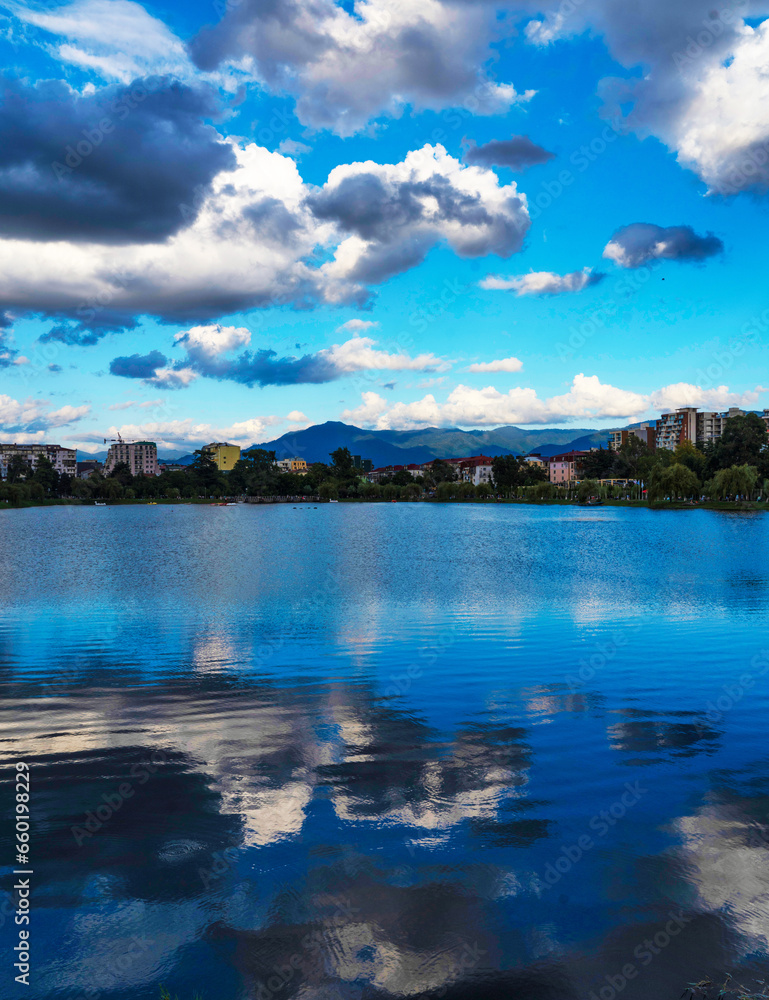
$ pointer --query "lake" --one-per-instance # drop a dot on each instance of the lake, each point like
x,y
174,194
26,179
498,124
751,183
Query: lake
x,y
378,750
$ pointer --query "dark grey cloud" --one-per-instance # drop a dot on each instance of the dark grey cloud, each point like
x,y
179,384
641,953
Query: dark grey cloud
x,y
363,204
88,325
641,242
403,219
117,166
272,222
345,68
138,365
6,320
518,153
265,368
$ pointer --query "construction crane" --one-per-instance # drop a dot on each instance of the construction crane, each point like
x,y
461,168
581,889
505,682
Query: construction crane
x,y
117,440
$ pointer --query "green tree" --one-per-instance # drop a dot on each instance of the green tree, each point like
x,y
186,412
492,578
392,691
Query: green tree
x,y
674,481
742,443
122,473
507,473
18,469
205,472
633,456
403,478
442,471
587,488
329,489
45,474
690,456
342,467
598,464
736,481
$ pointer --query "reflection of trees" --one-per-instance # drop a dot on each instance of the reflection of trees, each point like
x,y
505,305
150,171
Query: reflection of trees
x,y
662,734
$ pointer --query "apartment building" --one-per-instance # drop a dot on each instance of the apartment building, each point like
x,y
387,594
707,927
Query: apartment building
x,y
710,426
64,460
646,432
566,467
141,457
292,465
476,470
700,427
225,455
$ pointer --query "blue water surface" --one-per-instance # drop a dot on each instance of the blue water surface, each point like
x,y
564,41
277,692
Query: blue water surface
x,y
387,750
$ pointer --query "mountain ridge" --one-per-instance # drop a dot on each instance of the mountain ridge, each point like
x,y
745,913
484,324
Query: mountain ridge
x,y
400,447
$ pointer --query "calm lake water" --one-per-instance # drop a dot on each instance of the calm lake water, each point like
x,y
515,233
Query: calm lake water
x,y
370,751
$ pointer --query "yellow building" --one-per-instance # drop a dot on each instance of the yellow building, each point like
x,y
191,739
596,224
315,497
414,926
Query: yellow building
x,y
225,455
292,465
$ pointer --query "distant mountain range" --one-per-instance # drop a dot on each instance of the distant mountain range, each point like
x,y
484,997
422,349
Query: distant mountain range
x,y
315,444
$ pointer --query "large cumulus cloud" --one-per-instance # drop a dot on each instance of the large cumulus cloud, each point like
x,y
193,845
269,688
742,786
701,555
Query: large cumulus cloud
x,y
692,72
113,166
586,398
261,236
347,67
703,86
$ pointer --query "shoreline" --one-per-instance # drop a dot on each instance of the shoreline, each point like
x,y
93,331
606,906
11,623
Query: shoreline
x,y
743,506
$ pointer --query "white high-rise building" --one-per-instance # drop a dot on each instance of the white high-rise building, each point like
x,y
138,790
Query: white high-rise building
x,y
63,459
141,457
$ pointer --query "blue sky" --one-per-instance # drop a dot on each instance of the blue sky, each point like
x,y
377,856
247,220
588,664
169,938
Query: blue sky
x,y
230,220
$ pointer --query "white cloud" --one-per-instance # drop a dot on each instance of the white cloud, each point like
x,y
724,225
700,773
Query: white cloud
x,y
254,237
587,399
358,325
189,433
290,147
35,416
172,378
348,67
502,365
116,39
214,338
359,354
718,398
129,403
704,87
542,282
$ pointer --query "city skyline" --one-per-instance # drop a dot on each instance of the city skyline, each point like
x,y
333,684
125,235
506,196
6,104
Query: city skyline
x,y
209,234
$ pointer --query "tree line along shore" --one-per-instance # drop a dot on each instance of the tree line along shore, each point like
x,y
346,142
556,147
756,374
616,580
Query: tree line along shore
x,y
732,470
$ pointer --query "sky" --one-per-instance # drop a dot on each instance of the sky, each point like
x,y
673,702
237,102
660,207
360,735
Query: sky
x,y
228,220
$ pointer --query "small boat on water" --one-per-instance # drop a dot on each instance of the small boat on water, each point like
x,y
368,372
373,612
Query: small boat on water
x,y
590,503
99,503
